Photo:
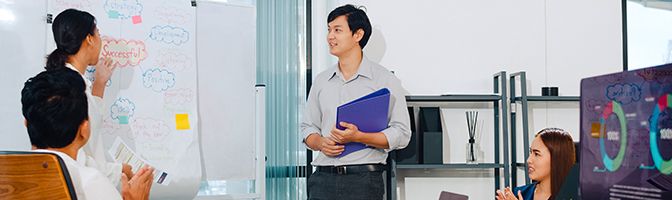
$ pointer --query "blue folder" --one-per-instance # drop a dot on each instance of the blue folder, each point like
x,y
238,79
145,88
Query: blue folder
x,y
368,113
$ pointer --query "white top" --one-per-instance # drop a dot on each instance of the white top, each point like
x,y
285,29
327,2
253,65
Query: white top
x,y
93,153
89,183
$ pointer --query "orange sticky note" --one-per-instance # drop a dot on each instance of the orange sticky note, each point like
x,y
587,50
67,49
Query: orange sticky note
x,y
182,122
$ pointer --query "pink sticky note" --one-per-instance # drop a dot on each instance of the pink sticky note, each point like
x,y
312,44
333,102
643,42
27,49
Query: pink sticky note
x,y
137,19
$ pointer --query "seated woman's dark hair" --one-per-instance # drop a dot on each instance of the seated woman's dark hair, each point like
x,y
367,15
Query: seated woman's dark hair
x,y
561,146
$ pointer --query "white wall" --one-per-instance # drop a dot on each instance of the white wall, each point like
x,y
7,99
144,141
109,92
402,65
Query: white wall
x,y
22,38
455,46
438,47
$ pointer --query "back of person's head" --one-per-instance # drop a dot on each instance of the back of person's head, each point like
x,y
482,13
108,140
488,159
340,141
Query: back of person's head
x,y
357,19
561,146
70,28
54,105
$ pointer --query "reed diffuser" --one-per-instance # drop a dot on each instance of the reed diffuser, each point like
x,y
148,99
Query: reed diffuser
x,y
472,123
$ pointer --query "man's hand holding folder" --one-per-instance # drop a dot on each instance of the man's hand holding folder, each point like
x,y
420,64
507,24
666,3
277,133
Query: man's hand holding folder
x,y
328,146
350,134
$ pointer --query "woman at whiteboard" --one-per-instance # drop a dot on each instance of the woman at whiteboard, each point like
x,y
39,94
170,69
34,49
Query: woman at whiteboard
x,y
78,45
551,158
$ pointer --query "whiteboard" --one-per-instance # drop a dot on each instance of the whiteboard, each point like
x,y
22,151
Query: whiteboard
x,y
438,47
150,101
226,79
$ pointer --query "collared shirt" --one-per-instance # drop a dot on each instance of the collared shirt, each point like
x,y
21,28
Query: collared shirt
x,y
330,89
93,153
89,183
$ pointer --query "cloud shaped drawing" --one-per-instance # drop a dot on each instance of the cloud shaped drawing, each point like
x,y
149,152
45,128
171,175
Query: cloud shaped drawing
x,y
158,79
624,93
169,35
122,107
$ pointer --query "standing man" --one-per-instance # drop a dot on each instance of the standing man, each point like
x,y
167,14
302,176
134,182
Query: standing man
x,y
357,175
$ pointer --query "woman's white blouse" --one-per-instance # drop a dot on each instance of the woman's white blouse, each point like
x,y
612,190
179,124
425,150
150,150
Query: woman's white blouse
x,y
94,150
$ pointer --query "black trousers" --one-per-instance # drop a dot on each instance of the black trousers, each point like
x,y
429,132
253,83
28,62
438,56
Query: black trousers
x,y
355,186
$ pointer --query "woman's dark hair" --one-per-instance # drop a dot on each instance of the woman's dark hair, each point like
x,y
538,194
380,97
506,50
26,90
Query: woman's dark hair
x,y
357,19
70,28
561,146
54,105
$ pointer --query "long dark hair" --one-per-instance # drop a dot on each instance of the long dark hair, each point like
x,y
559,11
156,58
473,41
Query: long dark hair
x,y
559,142
70,28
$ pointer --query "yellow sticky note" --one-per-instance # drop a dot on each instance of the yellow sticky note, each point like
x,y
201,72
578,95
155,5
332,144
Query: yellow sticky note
x,y
182,121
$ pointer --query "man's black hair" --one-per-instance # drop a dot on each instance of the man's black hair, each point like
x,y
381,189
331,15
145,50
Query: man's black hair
x,y
54,105
357,19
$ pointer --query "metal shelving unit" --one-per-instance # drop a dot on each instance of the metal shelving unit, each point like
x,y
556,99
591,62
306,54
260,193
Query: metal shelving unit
x,y
499,96
451,166
524,100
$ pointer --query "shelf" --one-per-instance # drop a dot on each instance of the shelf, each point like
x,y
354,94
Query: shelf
x,y
498,98
450,166
453,98
549,98
525,121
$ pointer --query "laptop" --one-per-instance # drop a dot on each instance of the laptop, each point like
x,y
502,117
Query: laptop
x,y
452,196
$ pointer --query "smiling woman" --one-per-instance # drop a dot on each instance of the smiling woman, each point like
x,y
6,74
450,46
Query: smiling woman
x,y
551,157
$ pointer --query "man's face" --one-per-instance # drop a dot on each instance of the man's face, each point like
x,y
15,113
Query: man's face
x,y
340,37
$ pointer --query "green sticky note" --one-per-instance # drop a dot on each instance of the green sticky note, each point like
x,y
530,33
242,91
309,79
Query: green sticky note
x,y
123,119
113,14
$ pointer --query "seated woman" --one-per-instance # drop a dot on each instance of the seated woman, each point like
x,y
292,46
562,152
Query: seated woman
x,y
551,158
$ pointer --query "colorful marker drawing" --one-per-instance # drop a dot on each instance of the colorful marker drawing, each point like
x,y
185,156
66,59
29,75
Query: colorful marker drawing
x,y
155,150
90,75
122,107
150,129
108,126
122,9
178,97
169,34
171,15
60,5
173,60
123,52
158,80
